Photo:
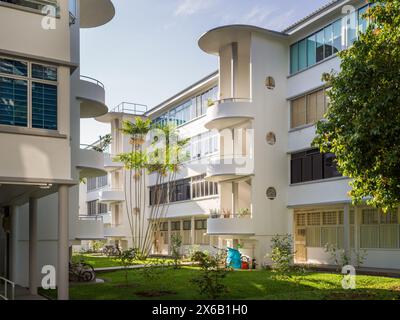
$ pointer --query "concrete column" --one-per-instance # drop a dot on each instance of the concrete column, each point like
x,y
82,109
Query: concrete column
x,y
33,242
234,71
346,233
14,242
235,195
63,243
192,231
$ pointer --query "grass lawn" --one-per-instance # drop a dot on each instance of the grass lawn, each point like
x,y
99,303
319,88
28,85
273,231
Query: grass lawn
x,y
99,261
252,285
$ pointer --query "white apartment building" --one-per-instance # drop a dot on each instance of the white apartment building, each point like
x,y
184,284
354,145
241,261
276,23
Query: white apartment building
x,y
43,96
253,173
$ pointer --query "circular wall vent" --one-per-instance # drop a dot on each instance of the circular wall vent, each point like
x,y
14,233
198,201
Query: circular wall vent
x,y
270,83
271,138
271,193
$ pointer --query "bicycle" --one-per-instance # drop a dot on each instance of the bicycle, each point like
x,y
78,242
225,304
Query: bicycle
x,y
81,272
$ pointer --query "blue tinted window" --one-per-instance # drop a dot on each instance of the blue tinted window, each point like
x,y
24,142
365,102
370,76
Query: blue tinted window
x,y
320,46
13,67
44,73
294,58
303,54
351,28
328,43
337,36
13,102
44,106
362,22
311,51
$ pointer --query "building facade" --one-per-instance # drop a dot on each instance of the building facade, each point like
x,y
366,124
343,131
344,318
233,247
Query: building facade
x,y
43,96
252,172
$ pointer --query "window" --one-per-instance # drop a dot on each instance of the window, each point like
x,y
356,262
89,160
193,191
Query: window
x,y
189,110
328,41
204,145
179,190
201,224
308,109
44,106
36,5
185,189
379,230
323,227
294,58
164,226
312,165
13,102
91,208
175,226
37,109
102,208
202,188
96,183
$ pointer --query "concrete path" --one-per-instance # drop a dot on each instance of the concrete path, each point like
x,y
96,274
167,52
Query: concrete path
x,y
138,266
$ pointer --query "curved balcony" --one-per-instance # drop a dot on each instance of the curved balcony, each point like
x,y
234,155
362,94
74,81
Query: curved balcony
x,y
111,165
228,113
123,109
114,231
95,13
92,95
111,196
90,228
232,225
228,167
90,163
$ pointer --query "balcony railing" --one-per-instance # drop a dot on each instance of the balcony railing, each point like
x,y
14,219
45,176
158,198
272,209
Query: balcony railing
x,y
228,215
34,5
92,80
91,218
8,292
130,108
233,100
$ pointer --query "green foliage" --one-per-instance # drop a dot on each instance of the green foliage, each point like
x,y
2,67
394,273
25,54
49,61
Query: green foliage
x,y
282,254
213,270
362,123
103,144
340,259
176,246
127,259
98,245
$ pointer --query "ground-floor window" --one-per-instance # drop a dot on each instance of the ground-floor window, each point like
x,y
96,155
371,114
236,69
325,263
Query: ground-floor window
x,y
379,229
322,227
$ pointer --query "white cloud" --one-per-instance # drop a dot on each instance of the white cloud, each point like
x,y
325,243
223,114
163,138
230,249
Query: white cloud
x,y
191,7
263,16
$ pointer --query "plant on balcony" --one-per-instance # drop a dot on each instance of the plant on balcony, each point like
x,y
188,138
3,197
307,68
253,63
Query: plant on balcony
x,y
210,102
104,143
227,213
214,213
162,158
245,212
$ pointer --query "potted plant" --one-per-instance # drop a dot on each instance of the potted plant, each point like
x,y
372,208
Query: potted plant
x,y
214,213
227,213
244,212
210,102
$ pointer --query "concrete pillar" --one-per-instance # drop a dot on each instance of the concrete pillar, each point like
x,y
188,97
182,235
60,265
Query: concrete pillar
x,y
346,233
192,231
14,243
235,195
63,243
33,242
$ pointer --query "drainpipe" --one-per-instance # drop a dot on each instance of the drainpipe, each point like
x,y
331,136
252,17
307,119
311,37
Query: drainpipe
x,y
33,259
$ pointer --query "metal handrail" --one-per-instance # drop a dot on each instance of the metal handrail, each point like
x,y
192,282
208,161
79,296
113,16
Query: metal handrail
x,y
97,217
130,108
6,283
232,100
93,80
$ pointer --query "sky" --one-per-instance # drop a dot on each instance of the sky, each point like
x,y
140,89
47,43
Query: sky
x,y
149,51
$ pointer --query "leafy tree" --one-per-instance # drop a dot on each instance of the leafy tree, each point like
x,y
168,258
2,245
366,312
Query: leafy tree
x,y
213,272
126,259
362,125
176,246
158,151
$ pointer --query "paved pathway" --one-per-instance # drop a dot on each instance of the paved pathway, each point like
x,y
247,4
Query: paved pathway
x,y
138,266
